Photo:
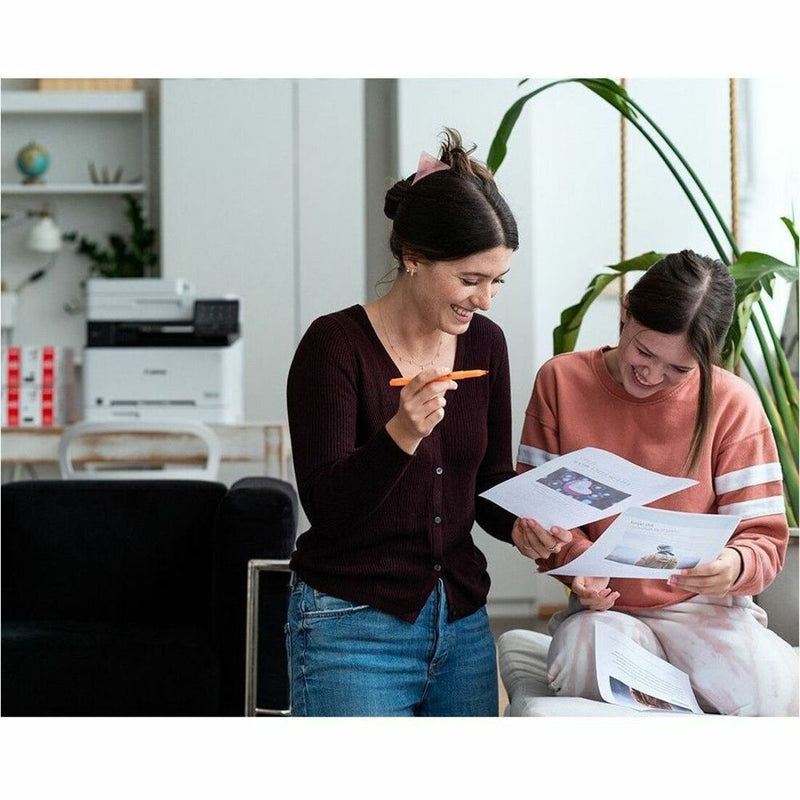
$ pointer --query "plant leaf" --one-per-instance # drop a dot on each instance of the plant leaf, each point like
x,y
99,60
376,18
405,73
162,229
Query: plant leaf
x,y
779,392
788,463
565,335
752,273
754,270
792,230
499,146
612,93
732,347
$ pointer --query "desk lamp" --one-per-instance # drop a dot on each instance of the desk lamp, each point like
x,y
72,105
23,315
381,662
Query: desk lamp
x,y
43,237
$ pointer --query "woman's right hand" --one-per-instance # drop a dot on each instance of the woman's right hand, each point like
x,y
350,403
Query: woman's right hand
x,y
421,408
594,593
535,541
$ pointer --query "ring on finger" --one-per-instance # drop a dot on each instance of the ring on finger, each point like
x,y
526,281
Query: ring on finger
x,y
553,549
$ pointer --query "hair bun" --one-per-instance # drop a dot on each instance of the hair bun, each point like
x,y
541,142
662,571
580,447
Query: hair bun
x,y
394,197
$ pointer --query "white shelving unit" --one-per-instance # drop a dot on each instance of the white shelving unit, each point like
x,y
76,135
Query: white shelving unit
x,y
73,188
109,130
85,102
76,128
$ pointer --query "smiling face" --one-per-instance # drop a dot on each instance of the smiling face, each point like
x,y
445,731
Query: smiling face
x,y
646,361
450,292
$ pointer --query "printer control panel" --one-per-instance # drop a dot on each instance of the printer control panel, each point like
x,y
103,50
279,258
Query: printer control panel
x,y
216,317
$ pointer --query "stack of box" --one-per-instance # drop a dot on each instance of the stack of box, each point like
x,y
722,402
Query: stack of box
x,y
38,386
84,84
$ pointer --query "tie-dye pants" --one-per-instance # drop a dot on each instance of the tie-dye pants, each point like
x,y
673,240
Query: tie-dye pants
x,y
736,665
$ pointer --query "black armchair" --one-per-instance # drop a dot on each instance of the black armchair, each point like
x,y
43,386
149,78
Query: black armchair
x,y
128,598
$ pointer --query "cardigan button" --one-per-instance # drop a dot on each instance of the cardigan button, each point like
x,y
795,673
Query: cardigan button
x,y
437,567
439,470
437,519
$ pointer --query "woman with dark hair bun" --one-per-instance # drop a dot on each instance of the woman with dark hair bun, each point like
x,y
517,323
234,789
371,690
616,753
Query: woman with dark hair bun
x,y
387,614
659,400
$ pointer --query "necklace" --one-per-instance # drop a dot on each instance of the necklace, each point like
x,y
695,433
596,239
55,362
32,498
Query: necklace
x,y
403,357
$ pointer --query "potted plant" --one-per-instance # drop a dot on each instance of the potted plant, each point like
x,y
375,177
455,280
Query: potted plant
x,y
131,257
753,273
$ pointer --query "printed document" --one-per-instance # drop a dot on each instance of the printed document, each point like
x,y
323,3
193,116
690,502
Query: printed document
x,y
581,487
629,675
653,543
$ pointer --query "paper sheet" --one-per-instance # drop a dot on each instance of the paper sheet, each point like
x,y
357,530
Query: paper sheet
x,y
653,543
581,487
629,675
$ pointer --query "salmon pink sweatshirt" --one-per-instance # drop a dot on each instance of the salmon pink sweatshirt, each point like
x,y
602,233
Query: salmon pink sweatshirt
x,y
576,403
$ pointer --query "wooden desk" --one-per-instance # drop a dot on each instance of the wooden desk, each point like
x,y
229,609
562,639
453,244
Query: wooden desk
x,y
263,443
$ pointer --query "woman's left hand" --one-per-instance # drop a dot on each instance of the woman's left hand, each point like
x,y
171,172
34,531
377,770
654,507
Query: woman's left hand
x,y
715,578
534,541
594,593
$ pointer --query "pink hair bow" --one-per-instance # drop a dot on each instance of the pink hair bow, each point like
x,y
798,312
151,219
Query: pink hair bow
x,y
427,165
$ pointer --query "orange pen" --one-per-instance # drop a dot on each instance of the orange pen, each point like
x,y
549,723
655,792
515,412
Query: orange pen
x,y
455,376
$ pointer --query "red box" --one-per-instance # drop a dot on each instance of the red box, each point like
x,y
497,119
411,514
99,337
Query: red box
x,y
37,365
38,406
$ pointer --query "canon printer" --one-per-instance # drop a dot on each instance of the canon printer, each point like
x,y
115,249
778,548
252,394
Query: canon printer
x,y
154,350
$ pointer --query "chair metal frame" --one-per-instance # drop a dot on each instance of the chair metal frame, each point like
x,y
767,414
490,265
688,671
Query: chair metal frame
x,y
255,566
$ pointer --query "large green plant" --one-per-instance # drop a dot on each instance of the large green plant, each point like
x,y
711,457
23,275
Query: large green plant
x,y
753,273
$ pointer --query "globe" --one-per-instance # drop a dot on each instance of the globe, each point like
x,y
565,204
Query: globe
x,y
33,161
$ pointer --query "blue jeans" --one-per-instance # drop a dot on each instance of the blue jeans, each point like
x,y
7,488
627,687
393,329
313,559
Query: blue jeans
x,y
354,660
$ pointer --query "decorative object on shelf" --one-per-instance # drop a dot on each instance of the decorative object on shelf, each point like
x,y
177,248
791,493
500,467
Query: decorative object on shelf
x,y
33,161
44,237
753,272
133,256
84,84
104,176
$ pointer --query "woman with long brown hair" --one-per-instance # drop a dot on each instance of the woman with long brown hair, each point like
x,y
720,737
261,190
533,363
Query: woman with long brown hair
x,y
658,399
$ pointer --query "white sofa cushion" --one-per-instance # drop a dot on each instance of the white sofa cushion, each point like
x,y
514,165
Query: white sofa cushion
x,y
522,656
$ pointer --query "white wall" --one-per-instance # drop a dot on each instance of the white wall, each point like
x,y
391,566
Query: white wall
x,y
262,196
769,186
227,214
330,191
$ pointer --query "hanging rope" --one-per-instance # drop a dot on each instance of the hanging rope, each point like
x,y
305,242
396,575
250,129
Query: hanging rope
x,y
623,199
734,163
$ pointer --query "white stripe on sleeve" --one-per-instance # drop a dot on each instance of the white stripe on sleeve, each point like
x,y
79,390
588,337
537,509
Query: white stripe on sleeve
x,y
749,509
749,476
533,455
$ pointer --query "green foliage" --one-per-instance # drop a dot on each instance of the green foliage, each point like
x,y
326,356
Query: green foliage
x,y
131,257
753,274
565,335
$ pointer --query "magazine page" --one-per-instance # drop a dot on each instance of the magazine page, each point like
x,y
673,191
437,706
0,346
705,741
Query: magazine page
x,y
653,543
629,675
581,487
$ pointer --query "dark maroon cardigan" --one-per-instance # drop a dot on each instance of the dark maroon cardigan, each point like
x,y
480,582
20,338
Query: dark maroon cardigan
x,y
386,525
